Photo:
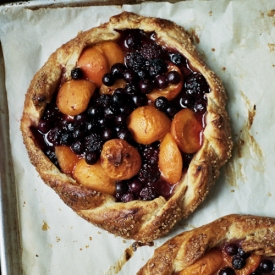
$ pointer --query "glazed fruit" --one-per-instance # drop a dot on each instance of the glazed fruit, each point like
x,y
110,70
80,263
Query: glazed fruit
x,y
148,125
229,261
93,176
124,115
73,96
93,64
186,130
168,85
119,159
135,57
206,265
170,159
67,159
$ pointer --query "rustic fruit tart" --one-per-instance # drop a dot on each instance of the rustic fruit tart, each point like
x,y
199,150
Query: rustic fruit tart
x,y
234,244
128,125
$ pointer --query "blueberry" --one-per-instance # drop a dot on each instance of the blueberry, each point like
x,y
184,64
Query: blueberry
x,y
146,86
139,100
176,58
76,73
171,110
238,262
161,103
44,126
242,253
132,41
107,134
173,77
120,119
125,134
117,70
121,187
161,81
135,186
266,266
129,76
231,249
226,271
108,79
92,158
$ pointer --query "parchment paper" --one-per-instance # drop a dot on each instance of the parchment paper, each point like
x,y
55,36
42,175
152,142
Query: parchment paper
x,y
237,40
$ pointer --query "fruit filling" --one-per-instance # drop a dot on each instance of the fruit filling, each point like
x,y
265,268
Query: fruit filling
x,y
129,120
231,259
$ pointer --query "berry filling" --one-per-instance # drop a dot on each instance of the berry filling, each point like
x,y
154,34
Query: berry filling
x,y
116,88
231,259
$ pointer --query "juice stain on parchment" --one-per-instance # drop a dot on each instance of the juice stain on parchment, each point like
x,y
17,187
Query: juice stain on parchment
x,y
45,226
245,147
271,14
127,255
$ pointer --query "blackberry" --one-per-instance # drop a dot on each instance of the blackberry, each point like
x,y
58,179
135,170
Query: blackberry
x,y
148,193
93,143
54,136
150,153
104,100
66,139
136,61
151,50
196,84
149,173
77,147
127,197
157,66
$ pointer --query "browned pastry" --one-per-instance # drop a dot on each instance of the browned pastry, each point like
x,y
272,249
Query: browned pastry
x,y
234,244
89,189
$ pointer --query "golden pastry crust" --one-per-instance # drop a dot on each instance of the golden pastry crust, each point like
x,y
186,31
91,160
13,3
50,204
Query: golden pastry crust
x,y
140,220
257,235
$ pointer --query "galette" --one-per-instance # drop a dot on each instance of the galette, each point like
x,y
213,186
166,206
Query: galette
x,y
128,125
232,245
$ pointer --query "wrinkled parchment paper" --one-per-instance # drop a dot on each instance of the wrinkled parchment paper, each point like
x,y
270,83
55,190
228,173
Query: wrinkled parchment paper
x,y
237,40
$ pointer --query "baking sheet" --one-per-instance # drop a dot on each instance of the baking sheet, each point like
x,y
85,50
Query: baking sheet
x,y
237,40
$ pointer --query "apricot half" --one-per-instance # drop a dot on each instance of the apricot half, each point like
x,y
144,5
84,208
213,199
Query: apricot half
x,y
170,160
171,91
94,177
252,262
112,52
148,125
97,60
186,130
119,159
206,265
73,96
93,64
67,159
